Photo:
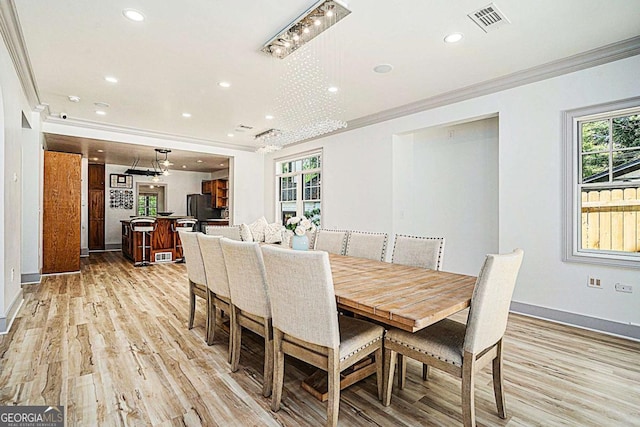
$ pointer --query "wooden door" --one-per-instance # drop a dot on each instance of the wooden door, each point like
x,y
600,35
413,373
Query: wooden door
x,y
61,213
96,207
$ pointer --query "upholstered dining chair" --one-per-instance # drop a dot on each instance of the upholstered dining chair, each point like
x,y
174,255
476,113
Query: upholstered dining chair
x,y
332,241
363,244
415,251
249,302
229,231
195,272
306,324
459,349
219,300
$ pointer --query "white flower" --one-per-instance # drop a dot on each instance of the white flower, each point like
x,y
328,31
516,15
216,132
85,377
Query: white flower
x,y
305,223
293,220
300,231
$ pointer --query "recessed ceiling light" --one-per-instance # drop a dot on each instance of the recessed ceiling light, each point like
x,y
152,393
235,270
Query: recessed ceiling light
x,y
111,79
198,161
333,89
74,98
221,164
186,115
100,151
268,117
94,159
230,135
453,37
383,68
184,166
101,113
133,15
224,84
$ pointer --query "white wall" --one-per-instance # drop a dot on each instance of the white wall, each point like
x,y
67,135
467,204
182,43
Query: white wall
x,y
177,186
84,207
357,183
13,103
31,190
461,157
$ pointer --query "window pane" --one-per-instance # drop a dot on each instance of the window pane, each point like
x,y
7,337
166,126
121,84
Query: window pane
x,y
595,136
312,211
287,210
611,219
626,131
626,164
311,186
595,167
287,188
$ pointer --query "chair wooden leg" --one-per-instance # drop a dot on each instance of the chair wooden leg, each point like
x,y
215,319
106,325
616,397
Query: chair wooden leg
x,y
390,358
267,377
498,383
468,387
236,332
211,323
333,371
192,305
379,371
278,371
425,372
402,371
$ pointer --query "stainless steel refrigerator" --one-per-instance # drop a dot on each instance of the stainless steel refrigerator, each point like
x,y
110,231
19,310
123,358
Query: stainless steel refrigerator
x,y
199,207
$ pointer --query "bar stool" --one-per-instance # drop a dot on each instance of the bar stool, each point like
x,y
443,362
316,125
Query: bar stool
x,y
145,225
184,224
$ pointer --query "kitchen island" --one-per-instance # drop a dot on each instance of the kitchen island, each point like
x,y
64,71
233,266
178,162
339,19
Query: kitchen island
x,y
165,244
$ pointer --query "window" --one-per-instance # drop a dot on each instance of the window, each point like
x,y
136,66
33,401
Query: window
x,y
604,222
299,187
147,204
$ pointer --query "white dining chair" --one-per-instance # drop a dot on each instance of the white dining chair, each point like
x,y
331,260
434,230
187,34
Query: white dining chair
x,y
367,245
195,272
416,251
219,300
459,349
249,302
332,241
306,324
229,231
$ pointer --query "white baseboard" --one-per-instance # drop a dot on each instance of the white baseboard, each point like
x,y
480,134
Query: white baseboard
x,y
609,327
7,321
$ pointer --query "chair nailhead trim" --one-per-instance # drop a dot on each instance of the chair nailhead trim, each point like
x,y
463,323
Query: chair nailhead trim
x,y
369,344
422,351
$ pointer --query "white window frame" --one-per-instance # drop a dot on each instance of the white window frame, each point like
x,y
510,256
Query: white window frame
x,y
299,184
572,187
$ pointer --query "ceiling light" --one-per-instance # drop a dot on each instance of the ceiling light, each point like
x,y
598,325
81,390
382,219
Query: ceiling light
x,y
332,89
100,151
383,68
453,37
155,178
111,79
309,24
230,135
133,15
221,164
184,166
74,98
151,186
268,117
224,84
94,159
198,161
186,115
101,113
165,172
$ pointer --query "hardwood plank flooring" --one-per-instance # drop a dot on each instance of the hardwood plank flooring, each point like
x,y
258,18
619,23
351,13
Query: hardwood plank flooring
x,y
111,344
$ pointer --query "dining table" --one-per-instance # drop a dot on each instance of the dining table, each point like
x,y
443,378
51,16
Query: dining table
x,y
393,295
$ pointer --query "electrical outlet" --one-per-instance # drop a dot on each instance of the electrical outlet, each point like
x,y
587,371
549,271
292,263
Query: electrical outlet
x,y
13,273
624,288
594,282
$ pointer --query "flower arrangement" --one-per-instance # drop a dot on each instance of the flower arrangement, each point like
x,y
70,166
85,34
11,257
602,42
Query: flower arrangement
x,y
300,225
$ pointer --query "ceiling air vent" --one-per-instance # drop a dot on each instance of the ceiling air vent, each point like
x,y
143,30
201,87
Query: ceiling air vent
x,y
489,18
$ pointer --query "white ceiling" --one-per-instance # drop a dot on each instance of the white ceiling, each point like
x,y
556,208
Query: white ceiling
x,y
171,63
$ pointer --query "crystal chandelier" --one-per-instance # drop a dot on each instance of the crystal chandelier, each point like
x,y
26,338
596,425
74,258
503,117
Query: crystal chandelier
x,y
307,102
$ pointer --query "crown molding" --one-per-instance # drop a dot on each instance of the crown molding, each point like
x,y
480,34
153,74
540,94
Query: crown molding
x,y
88,124
602,55
14,40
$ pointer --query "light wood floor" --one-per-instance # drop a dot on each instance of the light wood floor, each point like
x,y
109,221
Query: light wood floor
x,y
112,345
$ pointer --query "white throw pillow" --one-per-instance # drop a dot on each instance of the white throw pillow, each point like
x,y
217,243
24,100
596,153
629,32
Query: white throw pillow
x,y
245,233
257,229
273,233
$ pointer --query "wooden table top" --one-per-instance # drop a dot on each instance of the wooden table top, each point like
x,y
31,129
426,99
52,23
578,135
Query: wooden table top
x,y
408,298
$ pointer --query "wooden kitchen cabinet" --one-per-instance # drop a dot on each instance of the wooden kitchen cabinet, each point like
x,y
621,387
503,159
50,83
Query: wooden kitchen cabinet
x,y
219,190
